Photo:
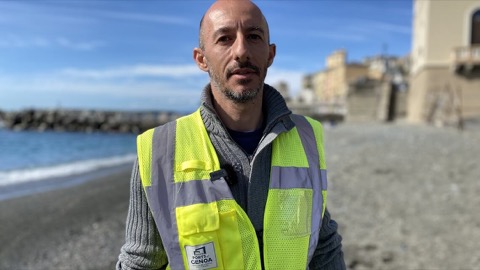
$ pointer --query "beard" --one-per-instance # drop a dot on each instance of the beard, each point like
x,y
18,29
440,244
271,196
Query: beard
x,y
245,95
242,97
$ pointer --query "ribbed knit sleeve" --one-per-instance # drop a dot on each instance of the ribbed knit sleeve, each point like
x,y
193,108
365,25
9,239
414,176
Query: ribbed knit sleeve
x,y
143,248
328,255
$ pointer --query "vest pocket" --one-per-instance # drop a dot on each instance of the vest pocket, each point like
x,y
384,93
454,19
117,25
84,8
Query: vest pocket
x,y
197,218
198,226
193,170
210,236
289,212
287,228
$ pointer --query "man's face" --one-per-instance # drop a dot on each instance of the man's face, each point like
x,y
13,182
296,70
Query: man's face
x,y
236,50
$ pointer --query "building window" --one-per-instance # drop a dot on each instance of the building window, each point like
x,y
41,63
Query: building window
x,y
476,28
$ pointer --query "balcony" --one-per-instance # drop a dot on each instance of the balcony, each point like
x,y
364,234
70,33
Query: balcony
x,y
466,60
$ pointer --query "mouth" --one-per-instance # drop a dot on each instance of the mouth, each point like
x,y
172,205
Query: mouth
x,y
243,73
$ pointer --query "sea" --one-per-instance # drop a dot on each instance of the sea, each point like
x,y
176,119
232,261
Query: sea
x,y
32,161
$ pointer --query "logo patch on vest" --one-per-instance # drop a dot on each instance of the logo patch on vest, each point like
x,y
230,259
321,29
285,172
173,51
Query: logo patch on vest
x,y
201,256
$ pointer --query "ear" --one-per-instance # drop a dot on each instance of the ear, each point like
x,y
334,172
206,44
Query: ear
x,y
199,57
272,50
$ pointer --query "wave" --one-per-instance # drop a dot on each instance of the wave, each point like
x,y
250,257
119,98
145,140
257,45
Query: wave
x,y
62,170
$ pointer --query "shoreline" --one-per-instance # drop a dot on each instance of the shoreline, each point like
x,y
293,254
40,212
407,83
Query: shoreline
x,y
31,187
80,225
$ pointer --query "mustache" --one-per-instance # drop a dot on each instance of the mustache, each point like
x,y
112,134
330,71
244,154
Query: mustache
x,y
248,65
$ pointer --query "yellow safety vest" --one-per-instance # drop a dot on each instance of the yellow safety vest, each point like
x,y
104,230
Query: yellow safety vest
x,y
200,223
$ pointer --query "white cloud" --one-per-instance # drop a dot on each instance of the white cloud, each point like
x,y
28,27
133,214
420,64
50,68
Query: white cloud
x,y
176,95
145,17
336,35
181,91
172,71
57,83
359,31
8,42
293,78
79,45
30,14
100,94
368,26
13,41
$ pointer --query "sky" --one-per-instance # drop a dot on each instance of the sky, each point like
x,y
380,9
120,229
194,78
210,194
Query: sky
x,y
137,55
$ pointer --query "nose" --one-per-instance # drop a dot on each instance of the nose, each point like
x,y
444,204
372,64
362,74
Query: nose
x,y
240,49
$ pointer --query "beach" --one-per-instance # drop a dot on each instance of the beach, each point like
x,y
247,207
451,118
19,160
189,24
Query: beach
x,y
79,227
404,196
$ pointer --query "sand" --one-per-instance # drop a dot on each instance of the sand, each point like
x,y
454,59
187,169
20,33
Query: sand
x,y
81,227
405,197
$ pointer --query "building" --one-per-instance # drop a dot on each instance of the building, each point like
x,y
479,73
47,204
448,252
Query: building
x,y
331,84
324,93
381,94
445,62
355,91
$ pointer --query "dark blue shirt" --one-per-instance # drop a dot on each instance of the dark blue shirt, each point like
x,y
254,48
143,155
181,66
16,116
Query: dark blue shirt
x,y
248,141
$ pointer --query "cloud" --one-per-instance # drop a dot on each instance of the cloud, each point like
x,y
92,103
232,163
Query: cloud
x,y
82,45
13,41
18,91
145,17
137,87
32,14
359,31
105,88
293,78
336,35
74,12
171,71
374,27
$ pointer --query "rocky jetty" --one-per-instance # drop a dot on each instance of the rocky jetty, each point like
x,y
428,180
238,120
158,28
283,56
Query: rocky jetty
x,y
84,120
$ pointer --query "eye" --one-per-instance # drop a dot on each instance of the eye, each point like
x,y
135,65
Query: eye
x,y
224,39
254,37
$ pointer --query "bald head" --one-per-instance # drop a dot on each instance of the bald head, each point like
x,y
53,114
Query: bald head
x,y
224,8
235,51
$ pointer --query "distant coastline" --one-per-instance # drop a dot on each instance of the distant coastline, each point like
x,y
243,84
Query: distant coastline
x,y
84,120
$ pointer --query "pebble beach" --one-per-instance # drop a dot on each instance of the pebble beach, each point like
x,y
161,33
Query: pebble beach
x,y
404,196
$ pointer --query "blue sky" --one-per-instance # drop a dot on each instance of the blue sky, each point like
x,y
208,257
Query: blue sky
x,y
137,55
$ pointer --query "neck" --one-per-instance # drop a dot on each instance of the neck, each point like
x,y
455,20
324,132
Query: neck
x,y
239,116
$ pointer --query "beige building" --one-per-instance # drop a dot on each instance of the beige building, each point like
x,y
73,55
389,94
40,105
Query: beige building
x,y
355,91
331,85
445,61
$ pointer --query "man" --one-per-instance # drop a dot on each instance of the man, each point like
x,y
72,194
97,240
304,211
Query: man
x,y
239,184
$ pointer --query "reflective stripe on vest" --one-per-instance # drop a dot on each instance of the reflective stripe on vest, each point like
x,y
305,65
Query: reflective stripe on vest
x,y
201,225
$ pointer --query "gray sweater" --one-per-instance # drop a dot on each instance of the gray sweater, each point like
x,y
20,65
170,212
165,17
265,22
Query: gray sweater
x,y
143,247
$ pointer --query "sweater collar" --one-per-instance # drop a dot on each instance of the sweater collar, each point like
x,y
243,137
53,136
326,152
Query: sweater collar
x,y
274,107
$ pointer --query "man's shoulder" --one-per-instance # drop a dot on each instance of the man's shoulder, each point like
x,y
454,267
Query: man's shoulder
x,y
298,118
167,125
170,125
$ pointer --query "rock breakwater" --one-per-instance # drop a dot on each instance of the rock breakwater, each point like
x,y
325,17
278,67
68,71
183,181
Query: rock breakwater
x,y
84,120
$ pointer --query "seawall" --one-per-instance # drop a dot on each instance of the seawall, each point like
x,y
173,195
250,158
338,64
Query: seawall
x,y
84,120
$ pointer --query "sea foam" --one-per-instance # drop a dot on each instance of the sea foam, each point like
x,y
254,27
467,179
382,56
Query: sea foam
x,y
62,170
